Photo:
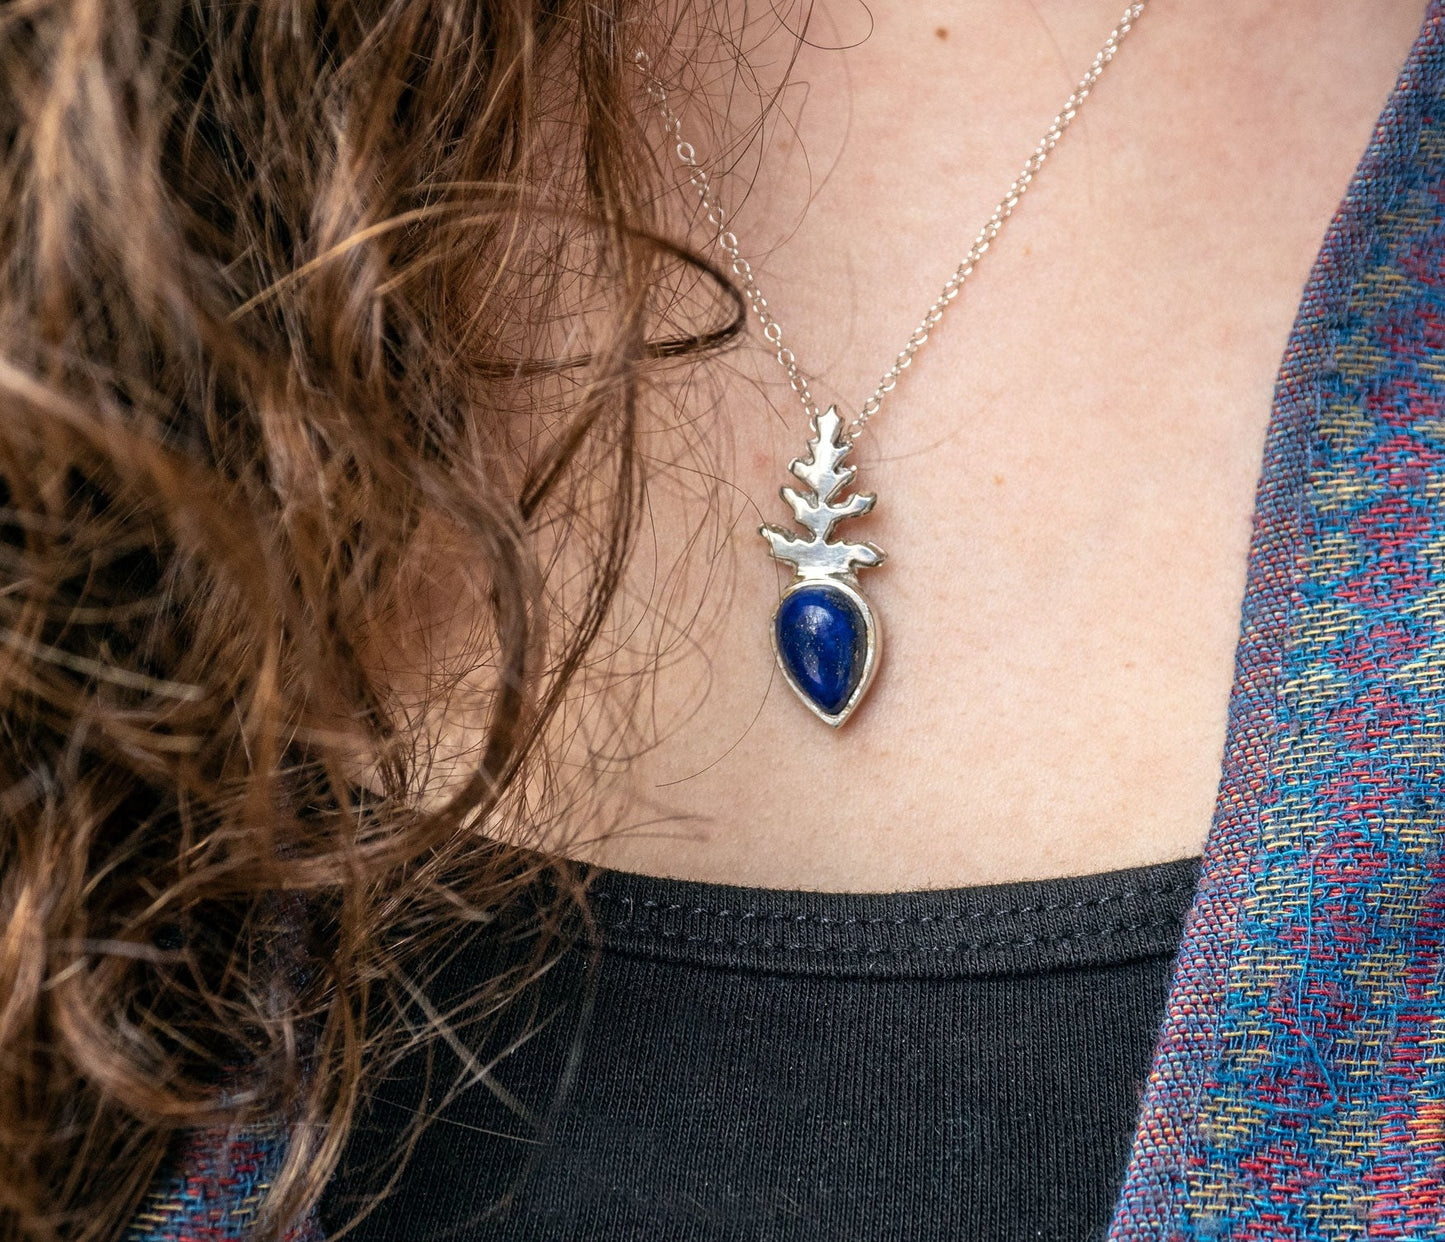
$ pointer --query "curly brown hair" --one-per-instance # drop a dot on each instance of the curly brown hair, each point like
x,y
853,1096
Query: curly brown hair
x,y
303,308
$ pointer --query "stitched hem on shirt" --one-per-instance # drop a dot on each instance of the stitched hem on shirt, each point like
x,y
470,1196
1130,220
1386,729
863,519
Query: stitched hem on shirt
x,y
1021,928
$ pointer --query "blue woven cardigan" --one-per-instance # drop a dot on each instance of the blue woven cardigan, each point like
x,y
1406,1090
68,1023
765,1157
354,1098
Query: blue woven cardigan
x,y
1298,1090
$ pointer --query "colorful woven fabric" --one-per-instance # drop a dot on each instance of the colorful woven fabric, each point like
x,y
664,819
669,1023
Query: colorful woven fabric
x,y
1299,1087
215,1191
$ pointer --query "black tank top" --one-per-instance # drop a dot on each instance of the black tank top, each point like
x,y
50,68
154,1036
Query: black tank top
x,y
733,1063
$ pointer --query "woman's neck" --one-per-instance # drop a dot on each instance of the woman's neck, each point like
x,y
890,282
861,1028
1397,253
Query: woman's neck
x,y
1065,479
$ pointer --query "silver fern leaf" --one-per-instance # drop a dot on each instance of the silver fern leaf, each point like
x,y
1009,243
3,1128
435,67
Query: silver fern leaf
x,y
816,511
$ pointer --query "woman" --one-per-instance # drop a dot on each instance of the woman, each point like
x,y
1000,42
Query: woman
x,y
373,486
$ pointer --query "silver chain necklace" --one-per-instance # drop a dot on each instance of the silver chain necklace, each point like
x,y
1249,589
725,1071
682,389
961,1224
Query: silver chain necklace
x,y
825,635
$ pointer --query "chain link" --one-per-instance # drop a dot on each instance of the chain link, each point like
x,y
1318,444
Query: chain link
x,y
741,269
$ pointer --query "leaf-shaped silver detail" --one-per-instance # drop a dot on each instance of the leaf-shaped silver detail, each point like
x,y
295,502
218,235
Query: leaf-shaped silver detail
x,y
817,511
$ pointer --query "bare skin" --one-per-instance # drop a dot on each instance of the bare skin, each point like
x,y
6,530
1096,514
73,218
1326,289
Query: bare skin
x,y
1066,477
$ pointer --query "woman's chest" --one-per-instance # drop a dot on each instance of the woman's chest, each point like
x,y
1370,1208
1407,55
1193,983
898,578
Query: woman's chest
x,y
1065,478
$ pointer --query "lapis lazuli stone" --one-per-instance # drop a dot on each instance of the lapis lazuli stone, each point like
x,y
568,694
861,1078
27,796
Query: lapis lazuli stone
x,y
823,643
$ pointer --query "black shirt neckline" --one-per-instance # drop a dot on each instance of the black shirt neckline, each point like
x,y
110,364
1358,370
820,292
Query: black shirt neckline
x,y
972,932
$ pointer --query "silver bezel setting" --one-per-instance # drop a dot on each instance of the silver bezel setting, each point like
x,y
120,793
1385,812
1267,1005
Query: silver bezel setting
x,y
873,642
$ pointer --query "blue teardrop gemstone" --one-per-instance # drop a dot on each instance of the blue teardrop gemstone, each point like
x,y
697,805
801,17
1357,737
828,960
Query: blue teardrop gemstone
x,y
823,643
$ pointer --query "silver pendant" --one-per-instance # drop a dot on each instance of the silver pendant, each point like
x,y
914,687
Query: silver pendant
x,y
825,636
